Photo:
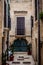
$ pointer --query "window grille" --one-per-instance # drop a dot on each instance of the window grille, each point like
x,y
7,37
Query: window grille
x,y
20,25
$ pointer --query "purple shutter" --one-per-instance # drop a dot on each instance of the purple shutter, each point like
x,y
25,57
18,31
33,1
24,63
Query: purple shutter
x,y
4,14
20,25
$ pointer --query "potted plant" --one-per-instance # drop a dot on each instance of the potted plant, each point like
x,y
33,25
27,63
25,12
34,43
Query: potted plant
x,y
41,16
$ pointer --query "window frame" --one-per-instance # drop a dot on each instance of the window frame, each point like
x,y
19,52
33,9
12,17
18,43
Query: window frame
x,y
22,28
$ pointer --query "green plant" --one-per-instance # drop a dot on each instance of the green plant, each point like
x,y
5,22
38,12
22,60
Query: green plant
x,y
41,15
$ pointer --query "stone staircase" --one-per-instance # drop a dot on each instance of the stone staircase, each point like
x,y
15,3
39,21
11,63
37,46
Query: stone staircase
x,y
21,58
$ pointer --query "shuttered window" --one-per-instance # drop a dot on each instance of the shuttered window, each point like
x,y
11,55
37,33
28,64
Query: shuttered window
x,y
35,9
31,21
20,25
7,23
4,14
31,24
9,19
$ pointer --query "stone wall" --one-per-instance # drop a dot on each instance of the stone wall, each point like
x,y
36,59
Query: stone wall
x,y
41,37
35,41
42,55
21,7
0,31
27,7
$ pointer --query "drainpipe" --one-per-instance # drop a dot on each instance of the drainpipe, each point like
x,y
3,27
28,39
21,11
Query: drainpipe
x,y
7,23
39,50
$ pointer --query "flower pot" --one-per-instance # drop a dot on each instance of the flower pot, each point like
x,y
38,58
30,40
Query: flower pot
x,y
11,58
29,53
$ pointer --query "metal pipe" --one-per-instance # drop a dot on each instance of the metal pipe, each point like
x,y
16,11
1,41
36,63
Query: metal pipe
x,y
39,50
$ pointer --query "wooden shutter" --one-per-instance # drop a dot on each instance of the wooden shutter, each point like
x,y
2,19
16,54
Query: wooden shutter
x,y
20,25
4,14
35,9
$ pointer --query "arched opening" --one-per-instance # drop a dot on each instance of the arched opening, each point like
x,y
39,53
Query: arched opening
x,y
21,45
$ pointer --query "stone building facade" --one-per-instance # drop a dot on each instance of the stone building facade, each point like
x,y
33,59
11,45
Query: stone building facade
x,y
35,37
1,19
24,9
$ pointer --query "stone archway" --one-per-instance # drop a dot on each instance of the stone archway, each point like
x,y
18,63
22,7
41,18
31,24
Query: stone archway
x,y
19,45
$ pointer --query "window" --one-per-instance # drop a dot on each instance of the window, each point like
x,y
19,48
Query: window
x,y
31,24
20,25
4,14
35,9
9,19
32,21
